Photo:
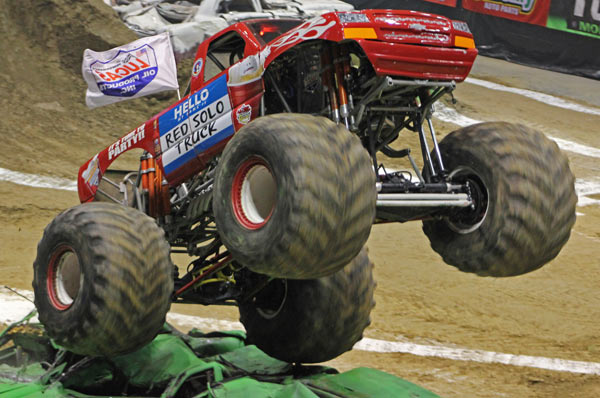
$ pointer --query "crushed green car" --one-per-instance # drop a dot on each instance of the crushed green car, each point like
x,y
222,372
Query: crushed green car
x,y
197,364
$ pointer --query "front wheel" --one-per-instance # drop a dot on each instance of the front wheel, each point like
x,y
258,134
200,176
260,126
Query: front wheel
x,y
103,279
294,196
308,321
523,200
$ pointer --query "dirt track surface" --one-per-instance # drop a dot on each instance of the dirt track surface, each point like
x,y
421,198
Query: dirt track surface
x,y
553,312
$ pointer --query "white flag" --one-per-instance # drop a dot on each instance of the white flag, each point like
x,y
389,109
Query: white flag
x,y
145,66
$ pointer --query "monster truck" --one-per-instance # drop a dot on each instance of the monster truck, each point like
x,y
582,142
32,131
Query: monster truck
x,y
267,174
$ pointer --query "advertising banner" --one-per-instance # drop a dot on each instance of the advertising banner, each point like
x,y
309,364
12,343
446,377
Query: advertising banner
x,y
145,66
528,11
576,16
449,3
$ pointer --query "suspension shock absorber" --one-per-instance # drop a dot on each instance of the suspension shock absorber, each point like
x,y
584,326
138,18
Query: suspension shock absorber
x,y
148,182
163,200
345,55
147,170
338,60
328,83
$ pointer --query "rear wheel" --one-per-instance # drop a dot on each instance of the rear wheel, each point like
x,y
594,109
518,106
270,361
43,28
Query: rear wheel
x,y
523,200
102,279
294,196
312,320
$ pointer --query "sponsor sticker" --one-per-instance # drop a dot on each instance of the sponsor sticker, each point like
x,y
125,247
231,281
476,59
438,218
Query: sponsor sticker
x,y
243,114
195,124
127,73
193,113
528,11
197,142
576,16
124,143
91,175
197,68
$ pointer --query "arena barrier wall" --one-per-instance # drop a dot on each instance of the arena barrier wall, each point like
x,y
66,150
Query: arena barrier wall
x,y
559,35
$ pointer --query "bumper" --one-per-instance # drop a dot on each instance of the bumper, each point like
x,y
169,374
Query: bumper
x,y
419,62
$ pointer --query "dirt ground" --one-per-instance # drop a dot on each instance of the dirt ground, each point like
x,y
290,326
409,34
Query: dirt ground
x,y
553,312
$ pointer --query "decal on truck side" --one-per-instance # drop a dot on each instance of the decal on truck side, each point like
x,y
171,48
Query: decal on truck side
x,y
124,143
244,114
195,124
91,175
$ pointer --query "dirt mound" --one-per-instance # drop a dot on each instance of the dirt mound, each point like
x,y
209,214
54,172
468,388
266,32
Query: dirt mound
x,y
44,112
63,29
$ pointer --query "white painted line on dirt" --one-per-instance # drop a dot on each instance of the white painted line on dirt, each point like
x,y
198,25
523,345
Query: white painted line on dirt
x,y
586,188
583,187
463,354
586,236
15,308
439,351
577,148
449,115
537,96
37,181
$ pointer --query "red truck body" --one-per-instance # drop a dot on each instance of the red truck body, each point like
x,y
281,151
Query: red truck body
x,y
186,136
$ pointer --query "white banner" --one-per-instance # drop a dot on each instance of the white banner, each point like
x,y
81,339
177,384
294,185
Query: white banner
x,y
145,66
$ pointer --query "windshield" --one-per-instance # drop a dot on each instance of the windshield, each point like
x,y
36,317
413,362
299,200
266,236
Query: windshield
x,y
267,30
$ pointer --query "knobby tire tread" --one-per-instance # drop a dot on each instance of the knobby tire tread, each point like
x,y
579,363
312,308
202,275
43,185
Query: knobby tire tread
x,y
321,318
533,200
329,187
128,279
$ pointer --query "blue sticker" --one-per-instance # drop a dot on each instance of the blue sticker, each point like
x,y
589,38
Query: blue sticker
x,y
195,124
193,112
197,68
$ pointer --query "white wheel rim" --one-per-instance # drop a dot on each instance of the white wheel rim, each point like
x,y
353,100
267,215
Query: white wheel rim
x,y
66,279
254,193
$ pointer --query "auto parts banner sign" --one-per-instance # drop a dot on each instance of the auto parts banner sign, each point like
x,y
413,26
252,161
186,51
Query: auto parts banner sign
x,y
450,3
528,11
576,16
145,66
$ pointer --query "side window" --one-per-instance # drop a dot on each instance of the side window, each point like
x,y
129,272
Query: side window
x,y
222,53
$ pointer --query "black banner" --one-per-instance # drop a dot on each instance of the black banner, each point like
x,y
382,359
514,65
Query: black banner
x,y
576,16
561,48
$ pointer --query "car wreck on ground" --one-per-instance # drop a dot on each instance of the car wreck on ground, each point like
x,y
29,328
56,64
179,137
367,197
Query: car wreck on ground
x,y
190,22
217,364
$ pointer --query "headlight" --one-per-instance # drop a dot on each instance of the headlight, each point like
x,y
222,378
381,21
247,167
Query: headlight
x,y
352,17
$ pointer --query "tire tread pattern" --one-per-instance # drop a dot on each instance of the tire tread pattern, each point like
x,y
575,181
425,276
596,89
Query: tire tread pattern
x,y
321,318
330,190
532,200
128,279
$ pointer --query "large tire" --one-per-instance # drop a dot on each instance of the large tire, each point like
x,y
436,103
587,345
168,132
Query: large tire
x,y
294,196
308,321
103,279
525,200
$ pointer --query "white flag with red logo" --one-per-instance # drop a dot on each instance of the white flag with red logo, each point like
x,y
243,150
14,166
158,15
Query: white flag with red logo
x,y
145,66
